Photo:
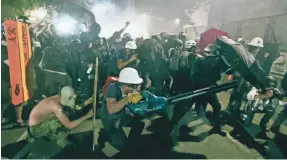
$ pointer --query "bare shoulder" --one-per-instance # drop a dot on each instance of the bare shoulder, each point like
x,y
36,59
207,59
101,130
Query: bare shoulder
x,y
49,100
54,103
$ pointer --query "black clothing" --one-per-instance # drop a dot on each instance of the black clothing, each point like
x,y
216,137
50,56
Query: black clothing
x,y
153,63
279,120
207,71
95,30
4,67
238,94
284,83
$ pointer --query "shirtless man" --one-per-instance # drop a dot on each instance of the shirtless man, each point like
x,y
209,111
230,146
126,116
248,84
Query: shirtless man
x,y
48,118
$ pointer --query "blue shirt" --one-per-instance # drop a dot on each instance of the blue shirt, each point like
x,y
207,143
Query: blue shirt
x,y
113,91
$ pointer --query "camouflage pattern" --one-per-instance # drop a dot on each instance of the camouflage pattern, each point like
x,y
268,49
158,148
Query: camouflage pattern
x,y
51,128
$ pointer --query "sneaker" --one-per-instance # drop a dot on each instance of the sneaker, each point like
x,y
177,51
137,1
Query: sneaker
x,y
4,121
19,124
217,130
262,135
102,139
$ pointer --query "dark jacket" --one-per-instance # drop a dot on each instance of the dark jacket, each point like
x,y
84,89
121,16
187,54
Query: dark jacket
x,y
207,71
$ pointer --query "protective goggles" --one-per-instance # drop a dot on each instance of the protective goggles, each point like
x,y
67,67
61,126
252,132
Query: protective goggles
x,y
133,86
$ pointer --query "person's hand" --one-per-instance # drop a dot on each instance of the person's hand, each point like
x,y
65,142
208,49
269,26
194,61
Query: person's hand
x,y
127,24
269,93
90,114
133,57
134,97
78,107
138,61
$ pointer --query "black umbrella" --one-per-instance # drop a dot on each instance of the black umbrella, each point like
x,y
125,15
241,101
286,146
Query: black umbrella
x,y
242,61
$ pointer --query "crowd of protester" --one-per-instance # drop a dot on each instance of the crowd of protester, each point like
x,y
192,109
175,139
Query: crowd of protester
x,y
167,64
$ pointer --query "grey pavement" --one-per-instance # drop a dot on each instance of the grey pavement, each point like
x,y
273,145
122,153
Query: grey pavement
x,y
213,146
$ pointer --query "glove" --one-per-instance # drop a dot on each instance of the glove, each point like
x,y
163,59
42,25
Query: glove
x,y
134,97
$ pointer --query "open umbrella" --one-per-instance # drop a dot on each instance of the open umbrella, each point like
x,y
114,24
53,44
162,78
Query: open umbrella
x,y
242,61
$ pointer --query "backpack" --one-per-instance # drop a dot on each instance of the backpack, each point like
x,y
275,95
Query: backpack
x,y
109,80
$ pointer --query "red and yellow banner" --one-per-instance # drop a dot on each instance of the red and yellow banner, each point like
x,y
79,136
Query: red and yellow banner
x,y
19,56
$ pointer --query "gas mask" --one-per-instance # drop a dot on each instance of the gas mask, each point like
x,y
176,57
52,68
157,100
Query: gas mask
x,y
130,88
70,101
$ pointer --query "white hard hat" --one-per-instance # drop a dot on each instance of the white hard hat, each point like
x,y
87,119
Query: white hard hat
x,y
131,45
130,76
256,42
190,43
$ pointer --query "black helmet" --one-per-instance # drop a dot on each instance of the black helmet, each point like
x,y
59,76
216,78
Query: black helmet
x,y
156,37
177,42
181,34
23,19
210,49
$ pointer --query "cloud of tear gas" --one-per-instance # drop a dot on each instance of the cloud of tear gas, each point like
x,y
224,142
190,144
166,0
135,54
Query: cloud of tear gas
x,y
65,25
112,18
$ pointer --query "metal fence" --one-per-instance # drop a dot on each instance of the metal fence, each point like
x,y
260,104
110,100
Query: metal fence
x,y
271,29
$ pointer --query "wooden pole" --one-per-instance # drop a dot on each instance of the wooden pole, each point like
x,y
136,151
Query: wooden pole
x,y
95,102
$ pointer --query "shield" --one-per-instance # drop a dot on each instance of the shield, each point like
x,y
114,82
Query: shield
x,y
242,61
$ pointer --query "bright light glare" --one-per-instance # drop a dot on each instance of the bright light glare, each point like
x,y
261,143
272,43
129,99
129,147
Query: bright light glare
x,y
65,25
138,28
39,13
177,21
113,18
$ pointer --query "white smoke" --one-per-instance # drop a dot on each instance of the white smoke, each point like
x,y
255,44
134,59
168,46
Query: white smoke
x,y
112,18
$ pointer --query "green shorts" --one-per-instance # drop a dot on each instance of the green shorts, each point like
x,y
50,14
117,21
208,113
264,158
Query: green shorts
x,y
51,128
